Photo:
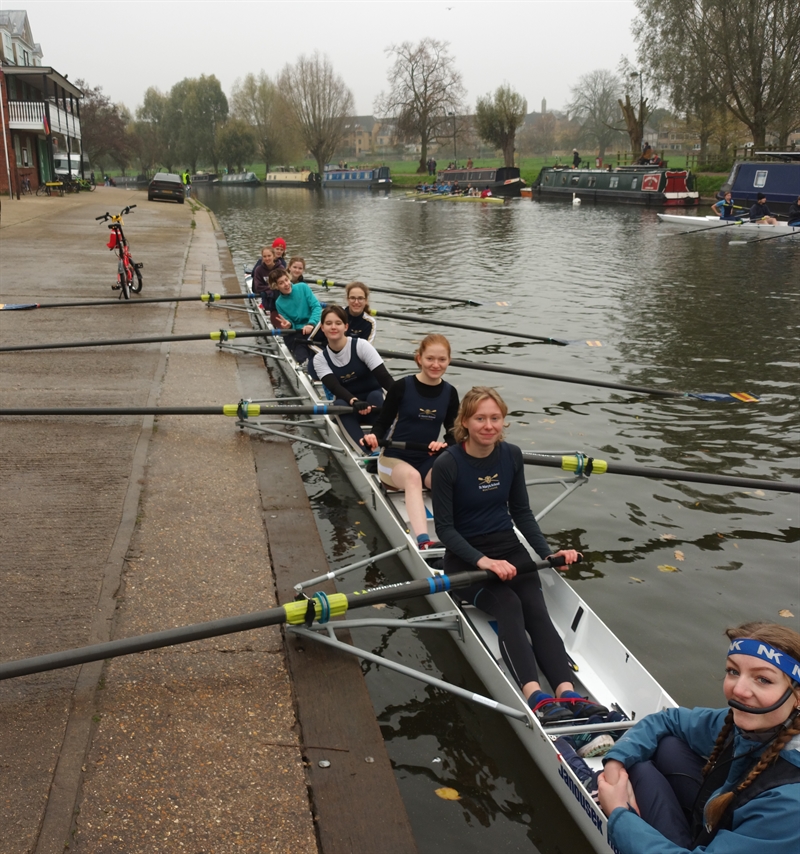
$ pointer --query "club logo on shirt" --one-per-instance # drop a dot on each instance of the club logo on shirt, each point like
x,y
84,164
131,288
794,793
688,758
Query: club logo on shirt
x,y
345,378
489,482
427,414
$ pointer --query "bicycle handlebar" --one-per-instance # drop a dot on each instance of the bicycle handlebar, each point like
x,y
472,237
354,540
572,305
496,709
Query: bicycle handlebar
x,y
107,215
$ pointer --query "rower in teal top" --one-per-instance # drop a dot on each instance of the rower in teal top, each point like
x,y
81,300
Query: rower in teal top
x,y
296,308
726,208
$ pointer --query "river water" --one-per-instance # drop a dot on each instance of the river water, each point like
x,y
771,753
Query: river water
x,y
693,312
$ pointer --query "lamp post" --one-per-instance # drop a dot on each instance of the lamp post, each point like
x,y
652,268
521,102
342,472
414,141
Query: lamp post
x,y
455,156
641,105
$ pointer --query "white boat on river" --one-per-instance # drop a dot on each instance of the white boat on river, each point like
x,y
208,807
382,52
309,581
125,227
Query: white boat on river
x,y
604,667
714,222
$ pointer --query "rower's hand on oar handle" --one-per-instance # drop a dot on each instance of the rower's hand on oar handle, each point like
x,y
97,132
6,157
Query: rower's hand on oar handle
x,y
563,558
504,570
370,441
360,407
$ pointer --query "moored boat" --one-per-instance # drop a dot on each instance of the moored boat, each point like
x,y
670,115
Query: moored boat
x,y
502,180
375,178
204,178
605,669
712,222
775,173
239,179
636,185
288,176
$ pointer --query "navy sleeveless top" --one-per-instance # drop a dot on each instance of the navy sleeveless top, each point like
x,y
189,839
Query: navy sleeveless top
x,y
481,492
419,419
355,376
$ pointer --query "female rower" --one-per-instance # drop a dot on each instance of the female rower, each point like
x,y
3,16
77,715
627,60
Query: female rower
x,y
360,322
296,268
261,273
721,781
351,369
725,207
415,410
295,308
279,248
479,494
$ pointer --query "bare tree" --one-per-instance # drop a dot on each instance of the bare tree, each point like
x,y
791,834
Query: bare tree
x,y
750,50
595,104
425,88
255,100
498,117
318,103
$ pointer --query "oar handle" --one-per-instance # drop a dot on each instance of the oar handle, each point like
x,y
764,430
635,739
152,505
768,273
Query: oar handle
x,y
409,446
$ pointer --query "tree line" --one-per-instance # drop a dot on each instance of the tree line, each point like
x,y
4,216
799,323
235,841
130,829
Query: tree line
x,y
719,65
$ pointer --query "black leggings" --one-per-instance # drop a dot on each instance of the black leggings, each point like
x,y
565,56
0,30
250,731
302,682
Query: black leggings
x,y
517,605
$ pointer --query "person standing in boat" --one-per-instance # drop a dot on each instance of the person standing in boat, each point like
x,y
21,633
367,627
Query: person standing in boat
x,y
725,781
351,369
261,273
576,158
761,213
479,495
296,308
360,323
726,207
415,410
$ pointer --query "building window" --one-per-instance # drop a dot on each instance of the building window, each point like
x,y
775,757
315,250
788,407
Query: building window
x,y
17,149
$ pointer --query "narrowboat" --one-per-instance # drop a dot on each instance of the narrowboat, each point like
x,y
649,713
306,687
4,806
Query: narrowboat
x,y
776,174
502,181
204,178
377,178
288,176
634,185
239,179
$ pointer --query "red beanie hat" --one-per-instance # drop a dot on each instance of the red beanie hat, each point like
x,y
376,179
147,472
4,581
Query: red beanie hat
x,y
279,241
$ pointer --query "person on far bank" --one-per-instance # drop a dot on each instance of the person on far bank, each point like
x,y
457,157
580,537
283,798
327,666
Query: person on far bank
x,y
576,158
719,781
296,308
479,496
760,213
725,207
794,213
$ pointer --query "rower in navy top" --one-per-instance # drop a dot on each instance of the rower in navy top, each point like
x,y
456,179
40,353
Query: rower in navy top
x,y
479,494
359,321
415,410
351,369
726,208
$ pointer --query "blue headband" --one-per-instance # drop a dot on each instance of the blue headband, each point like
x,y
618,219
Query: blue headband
x,y
766,652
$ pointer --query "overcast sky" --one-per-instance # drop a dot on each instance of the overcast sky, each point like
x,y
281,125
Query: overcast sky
x,y
540,47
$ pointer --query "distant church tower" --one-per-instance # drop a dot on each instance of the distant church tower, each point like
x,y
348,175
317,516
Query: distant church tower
x,y
544,105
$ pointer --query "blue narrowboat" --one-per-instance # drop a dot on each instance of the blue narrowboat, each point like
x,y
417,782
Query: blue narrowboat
x,y
377,178
502,181
777,178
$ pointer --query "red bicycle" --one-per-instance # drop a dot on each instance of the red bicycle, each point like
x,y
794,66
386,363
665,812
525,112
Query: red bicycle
x,y
129,274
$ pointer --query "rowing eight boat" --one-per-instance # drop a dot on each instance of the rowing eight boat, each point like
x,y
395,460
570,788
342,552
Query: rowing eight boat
x,y
605,668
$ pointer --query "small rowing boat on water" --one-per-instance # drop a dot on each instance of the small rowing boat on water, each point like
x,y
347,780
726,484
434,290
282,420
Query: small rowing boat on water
x,y
447,197
605,669
710,222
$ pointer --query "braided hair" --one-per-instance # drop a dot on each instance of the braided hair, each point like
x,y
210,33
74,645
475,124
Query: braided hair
x,y
781,638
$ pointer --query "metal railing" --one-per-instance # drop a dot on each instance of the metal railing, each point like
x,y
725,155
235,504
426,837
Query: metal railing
x,y
29,115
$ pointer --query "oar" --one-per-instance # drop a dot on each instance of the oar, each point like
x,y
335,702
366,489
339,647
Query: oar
x,y
587,465
242,410
303,612
772,237
701,230
330,283
519,372
90,303
562,342
217,335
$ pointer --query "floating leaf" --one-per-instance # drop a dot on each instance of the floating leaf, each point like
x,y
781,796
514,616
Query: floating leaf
x,y
759,492
529,399
379,605
668,537
785,612
665,567
679,555
637,580
448,794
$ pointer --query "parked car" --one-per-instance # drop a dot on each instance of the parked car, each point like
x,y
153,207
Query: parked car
x,y
166,185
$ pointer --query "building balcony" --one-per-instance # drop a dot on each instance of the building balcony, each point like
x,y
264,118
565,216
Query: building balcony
x,y
29,115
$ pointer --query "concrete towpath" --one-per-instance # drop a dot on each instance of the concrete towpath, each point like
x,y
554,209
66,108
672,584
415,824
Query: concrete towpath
x,y
117,526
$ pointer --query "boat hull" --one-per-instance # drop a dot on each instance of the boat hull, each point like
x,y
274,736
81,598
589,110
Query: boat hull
x,y
357,179
503,181
606,669
631,185
709,222
306,179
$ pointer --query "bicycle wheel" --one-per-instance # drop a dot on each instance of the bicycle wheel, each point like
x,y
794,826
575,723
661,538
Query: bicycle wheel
x,y
123,281
41,190
136,281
